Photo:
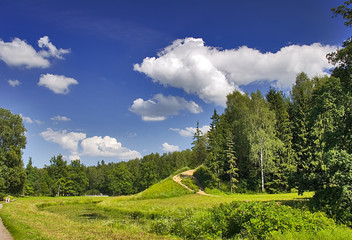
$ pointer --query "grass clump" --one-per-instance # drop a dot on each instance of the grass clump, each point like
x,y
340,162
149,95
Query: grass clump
x,y
190,182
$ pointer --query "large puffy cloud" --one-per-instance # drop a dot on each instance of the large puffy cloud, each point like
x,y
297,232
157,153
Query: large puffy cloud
x,y
190,131
19,53
211,73
107,147
94,147
67,140
170,148
160,107
57,83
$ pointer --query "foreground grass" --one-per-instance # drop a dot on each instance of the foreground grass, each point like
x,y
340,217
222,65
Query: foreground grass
x,y
131,217
25,219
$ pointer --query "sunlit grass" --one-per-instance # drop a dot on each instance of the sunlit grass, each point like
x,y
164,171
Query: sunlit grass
x,y
126,217
26,221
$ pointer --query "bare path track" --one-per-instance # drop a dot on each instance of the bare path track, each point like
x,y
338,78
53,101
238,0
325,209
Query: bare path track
x,y
4,234
189,173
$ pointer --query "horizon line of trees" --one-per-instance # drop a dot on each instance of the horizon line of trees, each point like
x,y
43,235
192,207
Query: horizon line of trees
x,y
61,178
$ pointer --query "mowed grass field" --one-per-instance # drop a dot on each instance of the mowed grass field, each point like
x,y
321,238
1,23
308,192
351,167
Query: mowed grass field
x,y
126,217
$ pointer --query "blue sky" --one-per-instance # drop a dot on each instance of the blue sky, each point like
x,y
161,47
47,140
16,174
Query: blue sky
x,y
116,80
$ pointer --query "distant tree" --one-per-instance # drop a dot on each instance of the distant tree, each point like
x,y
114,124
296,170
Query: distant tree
x,y
261,134
236,116
199,147
77,176
280,175
216,152
301,96
32,177
12,141
58,171
121,180
232,162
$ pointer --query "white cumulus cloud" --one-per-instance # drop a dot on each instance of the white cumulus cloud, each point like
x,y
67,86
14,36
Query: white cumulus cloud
x,y
60,118
14,83
211,73
67,140
161,107
94,146
19,53
170,148
57,83
189,131
107,147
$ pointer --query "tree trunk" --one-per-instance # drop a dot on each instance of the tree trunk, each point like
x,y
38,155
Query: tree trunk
x,y
231,182
219,177
58,190
262,168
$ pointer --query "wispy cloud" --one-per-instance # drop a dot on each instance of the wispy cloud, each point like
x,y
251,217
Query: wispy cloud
x,y
190,131
59,84
14,83
19,53
161,107
212,73
30,121
60,118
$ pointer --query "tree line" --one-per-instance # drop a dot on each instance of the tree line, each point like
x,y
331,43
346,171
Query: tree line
x,y
61,178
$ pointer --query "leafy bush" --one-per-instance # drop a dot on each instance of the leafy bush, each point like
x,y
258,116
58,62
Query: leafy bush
x,y
254,220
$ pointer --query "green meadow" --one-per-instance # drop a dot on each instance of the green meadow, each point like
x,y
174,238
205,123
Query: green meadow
x,y
167,211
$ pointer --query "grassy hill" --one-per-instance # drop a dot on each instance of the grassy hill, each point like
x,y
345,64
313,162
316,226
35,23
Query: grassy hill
x,y
166,188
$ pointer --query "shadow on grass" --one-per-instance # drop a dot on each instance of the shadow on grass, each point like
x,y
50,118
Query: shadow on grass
x,y
301,203
95,216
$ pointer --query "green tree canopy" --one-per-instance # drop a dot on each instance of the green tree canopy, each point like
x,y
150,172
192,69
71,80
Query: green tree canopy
x,y
12,141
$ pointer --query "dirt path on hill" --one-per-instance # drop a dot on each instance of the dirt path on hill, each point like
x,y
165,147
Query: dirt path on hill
x,y
189,173
4,234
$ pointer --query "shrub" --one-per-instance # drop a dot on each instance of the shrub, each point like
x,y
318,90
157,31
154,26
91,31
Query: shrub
x,y
254,220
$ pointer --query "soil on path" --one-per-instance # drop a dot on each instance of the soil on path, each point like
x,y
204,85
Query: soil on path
x,y
4,234
189,173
